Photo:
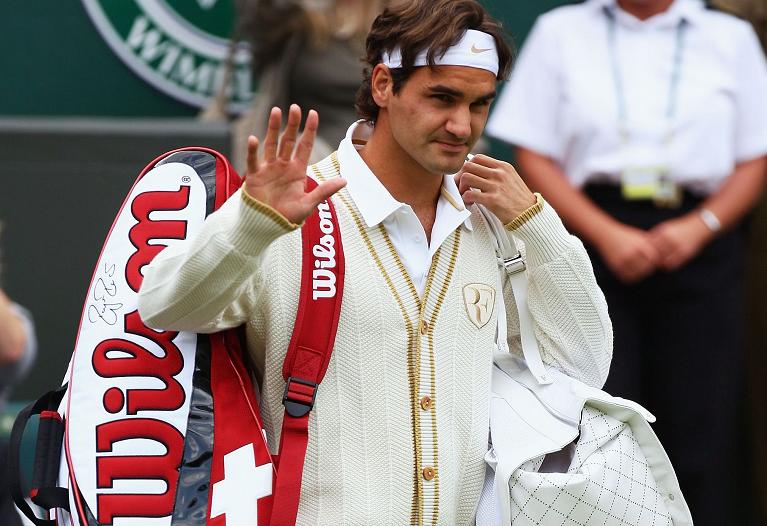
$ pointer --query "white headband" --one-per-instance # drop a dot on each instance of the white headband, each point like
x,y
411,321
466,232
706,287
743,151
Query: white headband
x,y
475,50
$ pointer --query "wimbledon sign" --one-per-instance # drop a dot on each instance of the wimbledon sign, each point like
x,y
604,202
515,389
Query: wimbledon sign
x,y
178,46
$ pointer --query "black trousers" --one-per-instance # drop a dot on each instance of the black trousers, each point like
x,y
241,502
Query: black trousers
x,y
678,350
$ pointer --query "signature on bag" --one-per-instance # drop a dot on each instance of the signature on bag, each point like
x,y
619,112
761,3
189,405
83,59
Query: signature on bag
x,y
103,307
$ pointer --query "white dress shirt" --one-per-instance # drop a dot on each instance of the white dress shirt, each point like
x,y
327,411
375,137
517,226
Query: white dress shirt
x,y
562,100
377,206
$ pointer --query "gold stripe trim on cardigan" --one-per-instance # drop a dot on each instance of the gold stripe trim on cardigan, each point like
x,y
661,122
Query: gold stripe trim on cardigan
x,y
389,244
441,295
411,343
414,336
433,394
528,214
450,199
267,210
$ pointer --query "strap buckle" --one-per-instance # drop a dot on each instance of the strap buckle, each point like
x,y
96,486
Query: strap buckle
x,y
513,265
299,397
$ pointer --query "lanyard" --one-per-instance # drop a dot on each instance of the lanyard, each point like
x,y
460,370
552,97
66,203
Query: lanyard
x,y
673,91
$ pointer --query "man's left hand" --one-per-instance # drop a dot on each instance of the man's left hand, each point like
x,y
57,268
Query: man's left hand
x,y
495,184
679,240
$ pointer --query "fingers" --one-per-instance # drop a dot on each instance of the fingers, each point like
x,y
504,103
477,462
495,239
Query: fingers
x,y
670,252
288,139
324,191
641,268
252,154
631,255
635,269
306,143
485,172
469,181
471,197
648,258
272,134
661,240
484,160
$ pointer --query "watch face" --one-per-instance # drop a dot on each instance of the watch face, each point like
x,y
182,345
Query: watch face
x,y
178,46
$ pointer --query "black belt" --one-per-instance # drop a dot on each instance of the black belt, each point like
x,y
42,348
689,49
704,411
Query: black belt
x,y
643,213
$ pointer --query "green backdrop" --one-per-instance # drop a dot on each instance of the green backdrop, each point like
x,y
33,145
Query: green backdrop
x,y
54,62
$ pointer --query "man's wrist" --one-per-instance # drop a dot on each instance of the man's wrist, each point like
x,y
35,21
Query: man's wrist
x,y
267,210
528,214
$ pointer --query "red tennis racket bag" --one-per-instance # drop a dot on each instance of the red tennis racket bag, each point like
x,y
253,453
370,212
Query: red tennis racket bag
x,y
163,428
158,428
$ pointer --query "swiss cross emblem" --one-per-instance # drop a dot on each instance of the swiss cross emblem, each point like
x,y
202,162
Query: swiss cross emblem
x,y
236,496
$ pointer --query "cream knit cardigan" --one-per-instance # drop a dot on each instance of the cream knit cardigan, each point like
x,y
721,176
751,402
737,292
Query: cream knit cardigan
x,y
378,453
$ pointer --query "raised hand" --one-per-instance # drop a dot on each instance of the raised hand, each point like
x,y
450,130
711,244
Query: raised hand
x,y
495,184
279,179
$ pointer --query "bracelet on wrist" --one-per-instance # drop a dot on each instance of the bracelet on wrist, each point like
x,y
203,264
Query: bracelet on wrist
x,y
710,219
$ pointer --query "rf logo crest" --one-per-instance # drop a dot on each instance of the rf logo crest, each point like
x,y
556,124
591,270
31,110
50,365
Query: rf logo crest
x,y
178,46
480,303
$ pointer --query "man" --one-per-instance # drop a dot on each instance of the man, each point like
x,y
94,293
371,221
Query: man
x,y
400,425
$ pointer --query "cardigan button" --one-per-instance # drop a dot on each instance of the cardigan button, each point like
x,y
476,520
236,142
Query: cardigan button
x,y
426,403
429,473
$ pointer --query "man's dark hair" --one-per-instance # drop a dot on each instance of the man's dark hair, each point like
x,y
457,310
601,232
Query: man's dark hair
x,y
416,25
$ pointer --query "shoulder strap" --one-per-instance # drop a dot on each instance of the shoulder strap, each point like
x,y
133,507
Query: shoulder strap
x,y
511,261
308,355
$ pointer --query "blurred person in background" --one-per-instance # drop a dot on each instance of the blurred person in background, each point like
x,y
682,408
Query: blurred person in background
x,y
17,351
306,52
644,123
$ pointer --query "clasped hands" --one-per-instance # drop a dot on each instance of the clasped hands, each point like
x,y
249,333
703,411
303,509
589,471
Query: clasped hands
x,y
633,254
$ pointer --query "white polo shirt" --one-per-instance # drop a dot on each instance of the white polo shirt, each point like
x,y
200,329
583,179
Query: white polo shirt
x,y
562,99
376,205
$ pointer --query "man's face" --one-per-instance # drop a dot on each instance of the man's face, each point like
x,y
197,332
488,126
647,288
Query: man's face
x,y
439,114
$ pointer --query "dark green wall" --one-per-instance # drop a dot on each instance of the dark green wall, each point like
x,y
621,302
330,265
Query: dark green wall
x,y
54,62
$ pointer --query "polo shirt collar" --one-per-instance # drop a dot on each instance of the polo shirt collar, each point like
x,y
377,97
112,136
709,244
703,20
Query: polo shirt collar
x,y
373,200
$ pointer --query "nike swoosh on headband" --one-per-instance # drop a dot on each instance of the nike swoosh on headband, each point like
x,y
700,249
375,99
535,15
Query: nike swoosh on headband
x,y
476,50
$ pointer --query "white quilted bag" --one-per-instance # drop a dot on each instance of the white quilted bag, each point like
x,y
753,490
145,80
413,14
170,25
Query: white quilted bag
x,y
563,453
608,482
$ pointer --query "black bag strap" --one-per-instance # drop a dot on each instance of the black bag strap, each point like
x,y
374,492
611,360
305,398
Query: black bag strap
x,y
47,457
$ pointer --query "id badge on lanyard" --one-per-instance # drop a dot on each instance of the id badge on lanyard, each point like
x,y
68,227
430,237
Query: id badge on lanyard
x,y
645,174
642,171
650,183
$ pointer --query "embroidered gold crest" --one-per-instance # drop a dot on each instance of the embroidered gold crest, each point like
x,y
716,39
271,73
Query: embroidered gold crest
x,y
480,303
